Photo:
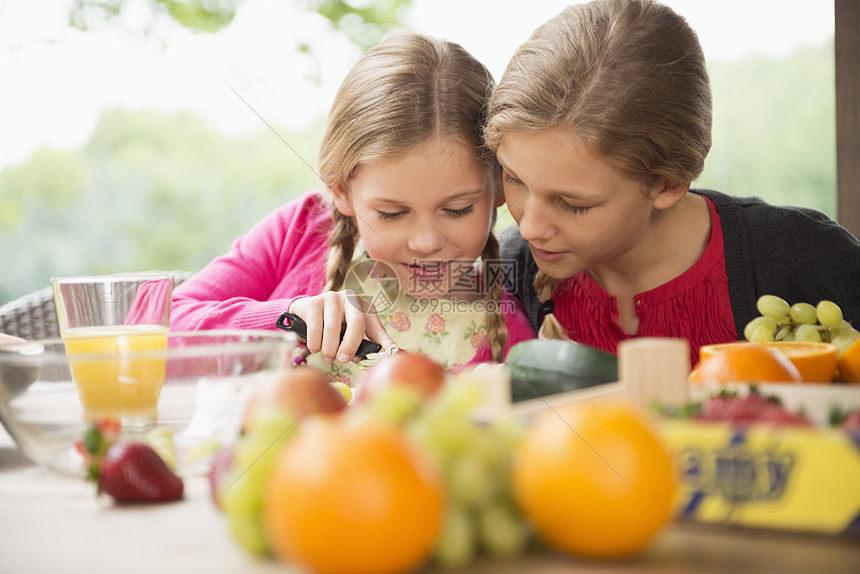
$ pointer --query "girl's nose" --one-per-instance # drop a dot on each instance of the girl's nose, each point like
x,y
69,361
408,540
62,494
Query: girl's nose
x,y
427,239
535,220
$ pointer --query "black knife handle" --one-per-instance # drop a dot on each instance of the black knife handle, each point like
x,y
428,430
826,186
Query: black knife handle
x,y
294,324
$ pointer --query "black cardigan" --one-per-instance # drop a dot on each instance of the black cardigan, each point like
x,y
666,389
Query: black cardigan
x,y
796,253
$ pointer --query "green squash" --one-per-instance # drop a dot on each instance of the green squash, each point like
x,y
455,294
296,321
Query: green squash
x,y
542,367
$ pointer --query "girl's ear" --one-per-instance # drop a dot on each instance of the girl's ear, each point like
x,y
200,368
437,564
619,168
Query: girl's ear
x,y
493,179
667,193
500,197
341,200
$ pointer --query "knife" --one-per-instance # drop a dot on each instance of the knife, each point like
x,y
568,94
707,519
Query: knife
x,y
294,324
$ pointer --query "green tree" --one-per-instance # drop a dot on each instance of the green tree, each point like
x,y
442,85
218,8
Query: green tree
x,y
149,190
154,190
364,23
774,130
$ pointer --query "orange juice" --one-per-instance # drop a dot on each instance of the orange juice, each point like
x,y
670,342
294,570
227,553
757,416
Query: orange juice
x,y
120,386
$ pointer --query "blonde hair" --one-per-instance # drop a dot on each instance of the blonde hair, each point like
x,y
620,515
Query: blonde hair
x,y
401,93
628,77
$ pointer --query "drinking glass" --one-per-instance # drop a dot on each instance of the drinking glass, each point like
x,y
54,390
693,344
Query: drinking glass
x,y
108,324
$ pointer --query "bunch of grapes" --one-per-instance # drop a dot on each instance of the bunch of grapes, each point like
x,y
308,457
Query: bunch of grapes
x,y
240,493
474,460
780,321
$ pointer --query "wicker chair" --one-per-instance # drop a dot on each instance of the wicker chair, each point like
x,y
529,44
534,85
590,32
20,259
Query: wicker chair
x,y
34,316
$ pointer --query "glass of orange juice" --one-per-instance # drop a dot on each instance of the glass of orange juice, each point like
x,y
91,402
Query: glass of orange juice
x,y
115,331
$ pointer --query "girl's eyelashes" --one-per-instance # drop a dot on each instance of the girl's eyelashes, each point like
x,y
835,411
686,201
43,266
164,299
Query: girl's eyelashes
x,y
572,208
509,179
462,211
387,216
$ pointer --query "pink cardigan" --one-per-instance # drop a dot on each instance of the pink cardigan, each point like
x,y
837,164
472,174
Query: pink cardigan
x,y
283,257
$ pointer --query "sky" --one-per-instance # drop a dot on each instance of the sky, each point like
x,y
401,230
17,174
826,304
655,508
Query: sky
x,y
55,80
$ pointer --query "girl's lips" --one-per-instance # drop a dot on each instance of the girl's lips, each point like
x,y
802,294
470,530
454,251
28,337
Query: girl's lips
x,y
546,255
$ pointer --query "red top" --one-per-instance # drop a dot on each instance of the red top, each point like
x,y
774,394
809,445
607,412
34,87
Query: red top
x,y
694,306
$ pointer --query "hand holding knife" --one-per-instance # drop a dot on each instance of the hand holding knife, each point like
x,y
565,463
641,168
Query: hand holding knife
x,y
294,324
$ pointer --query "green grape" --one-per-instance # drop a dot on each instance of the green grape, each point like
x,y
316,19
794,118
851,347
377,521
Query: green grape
x,y
462,398
773,306
202,451
767,323
242,504
268,434
784,333
507,431
453,432
456,546
395,404
762,335
842,343
430,444
161,441
808,333
475,460
844,329
344,390
469,483
503,532
804,314
829,313
242,495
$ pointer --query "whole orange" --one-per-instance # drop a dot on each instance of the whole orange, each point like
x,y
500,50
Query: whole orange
x,y
352,500
743,362
595,479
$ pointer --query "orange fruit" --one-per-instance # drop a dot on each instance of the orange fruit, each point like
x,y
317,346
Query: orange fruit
x,y
849,364
743,362
352,499
815,361
595,479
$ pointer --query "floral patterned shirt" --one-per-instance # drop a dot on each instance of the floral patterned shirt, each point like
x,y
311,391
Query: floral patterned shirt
x,y
452,332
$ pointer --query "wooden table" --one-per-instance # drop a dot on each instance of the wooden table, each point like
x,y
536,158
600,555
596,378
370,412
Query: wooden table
x,y
54,524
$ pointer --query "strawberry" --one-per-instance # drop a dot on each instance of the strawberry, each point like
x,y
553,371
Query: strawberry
x,y
781,417
717,407
750,408
133,472
222,462
127,471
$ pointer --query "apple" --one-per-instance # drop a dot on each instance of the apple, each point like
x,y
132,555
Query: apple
x,y
300,390
413,370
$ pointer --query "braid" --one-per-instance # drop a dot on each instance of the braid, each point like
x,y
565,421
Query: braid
x,y
497,331
550,327
341,241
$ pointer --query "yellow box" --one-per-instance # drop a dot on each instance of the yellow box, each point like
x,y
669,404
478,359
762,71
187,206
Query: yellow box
x,y
760,476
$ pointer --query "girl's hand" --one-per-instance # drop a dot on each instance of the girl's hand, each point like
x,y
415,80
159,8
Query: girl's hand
x,y
9,340
326,316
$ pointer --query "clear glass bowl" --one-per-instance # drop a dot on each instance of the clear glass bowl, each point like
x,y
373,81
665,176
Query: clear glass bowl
x,y
207,379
